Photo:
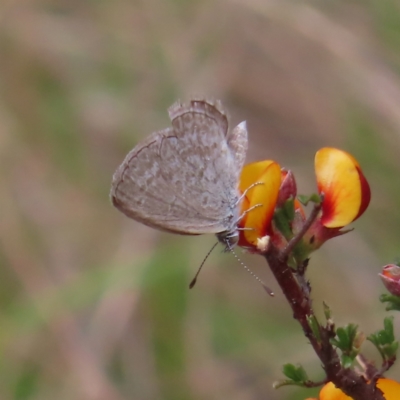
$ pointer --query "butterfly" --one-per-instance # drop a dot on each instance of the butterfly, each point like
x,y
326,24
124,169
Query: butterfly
x,y
184,179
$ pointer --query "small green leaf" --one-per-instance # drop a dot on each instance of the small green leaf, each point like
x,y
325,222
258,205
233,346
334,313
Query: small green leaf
x,y
296,374
388,327
282,223
327,311
288,208
347,361
314,325
347,340
391,350
384,340
393,302
314,198
345,337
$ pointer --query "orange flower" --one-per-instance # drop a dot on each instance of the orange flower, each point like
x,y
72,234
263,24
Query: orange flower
x,y
267,189
346,195
346,191
389,387
266,178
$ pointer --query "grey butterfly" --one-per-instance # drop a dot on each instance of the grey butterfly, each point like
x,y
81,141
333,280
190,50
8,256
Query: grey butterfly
x,y
184,179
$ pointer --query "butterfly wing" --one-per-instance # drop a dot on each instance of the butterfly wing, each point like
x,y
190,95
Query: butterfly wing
x,y
183,179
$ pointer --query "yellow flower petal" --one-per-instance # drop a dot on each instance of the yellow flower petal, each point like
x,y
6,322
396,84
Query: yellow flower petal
x,y
268,173
389,387
347,193
251,172
331,392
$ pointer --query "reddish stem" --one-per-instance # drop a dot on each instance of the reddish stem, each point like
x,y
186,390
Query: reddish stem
x,y
348,380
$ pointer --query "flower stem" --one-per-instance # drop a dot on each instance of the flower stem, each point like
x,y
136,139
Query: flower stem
x,y
348,380
296,239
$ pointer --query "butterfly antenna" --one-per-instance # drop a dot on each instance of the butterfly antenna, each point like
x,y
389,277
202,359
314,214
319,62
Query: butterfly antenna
x,y
266,288
193,282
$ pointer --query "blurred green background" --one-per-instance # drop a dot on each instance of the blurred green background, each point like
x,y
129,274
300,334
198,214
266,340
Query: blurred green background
x,y
96,306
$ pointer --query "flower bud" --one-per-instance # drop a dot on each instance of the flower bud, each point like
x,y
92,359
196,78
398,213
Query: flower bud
x,y
288,189
391,278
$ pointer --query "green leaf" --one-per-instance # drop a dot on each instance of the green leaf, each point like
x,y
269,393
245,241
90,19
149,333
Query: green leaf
x,y
384,340
391,350
345,337
282,223
388,327
314,325
347,361
296,374
393,302
327,311
288,208
314,198
346,341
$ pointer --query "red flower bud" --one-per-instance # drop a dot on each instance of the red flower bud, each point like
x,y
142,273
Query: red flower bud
x,y
391,278
288,189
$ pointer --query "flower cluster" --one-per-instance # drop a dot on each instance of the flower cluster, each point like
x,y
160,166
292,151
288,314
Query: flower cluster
x,y
273,217
270,208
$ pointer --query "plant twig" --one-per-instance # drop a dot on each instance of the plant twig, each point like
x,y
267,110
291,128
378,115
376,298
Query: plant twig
x,y
348,380
296,239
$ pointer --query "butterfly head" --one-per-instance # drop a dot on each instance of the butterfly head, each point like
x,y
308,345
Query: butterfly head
x,y
228,238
